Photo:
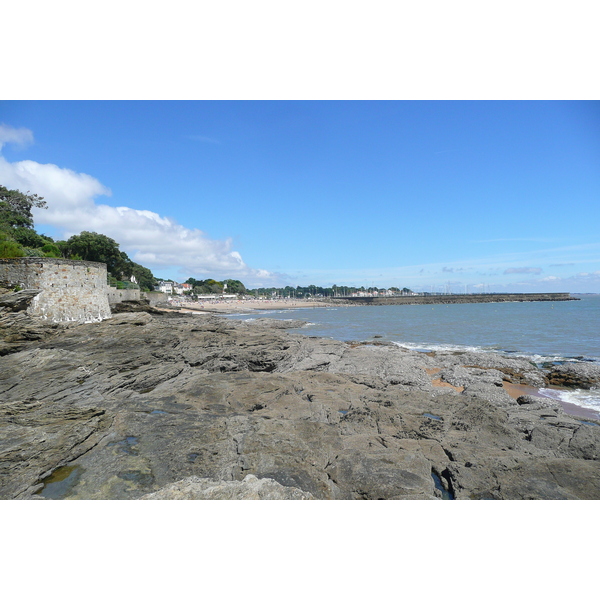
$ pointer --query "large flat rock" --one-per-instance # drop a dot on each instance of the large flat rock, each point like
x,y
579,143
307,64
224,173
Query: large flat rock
x,y
139,403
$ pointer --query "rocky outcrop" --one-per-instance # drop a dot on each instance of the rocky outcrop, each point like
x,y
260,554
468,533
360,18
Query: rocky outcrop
x,y
17,328
250,488
142,305
575,375
198,406
16,301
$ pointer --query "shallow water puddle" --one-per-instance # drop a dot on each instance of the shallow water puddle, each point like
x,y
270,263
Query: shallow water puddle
x,y
434,417
138,477
58,485
126,445
446,495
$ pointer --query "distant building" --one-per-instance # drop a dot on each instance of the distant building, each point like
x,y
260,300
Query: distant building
x,y
180,288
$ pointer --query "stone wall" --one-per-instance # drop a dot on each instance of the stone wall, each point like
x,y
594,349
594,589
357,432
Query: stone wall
x,y
115,296
155,298
70,290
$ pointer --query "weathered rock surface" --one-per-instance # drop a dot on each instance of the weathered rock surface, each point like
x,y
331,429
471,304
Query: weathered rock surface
x,y
134,306
250,488
11,301
16,327
279,323
191,405
575,375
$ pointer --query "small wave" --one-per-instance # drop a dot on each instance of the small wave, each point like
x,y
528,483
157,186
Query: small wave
x,y
584,398
538,359
441,347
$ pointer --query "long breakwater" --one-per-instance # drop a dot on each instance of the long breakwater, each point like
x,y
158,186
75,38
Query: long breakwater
x,y
452,298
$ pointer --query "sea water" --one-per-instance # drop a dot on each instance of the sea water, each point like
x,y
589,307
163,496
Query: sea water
x,y
543,332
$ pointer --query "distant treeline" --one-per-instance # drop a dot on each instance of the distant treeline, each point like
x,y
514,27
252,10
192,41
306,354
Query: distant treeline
x,y
234,286
210,286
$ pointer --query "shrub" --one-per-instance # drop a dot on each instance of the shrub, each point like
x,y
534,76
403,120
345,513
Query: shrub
x,y
10,249
33,252
51,250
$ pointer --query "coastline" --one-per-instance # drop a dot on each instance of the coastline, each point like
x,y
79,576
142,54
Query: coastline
x,y
256,306
249,306
516,390
172,405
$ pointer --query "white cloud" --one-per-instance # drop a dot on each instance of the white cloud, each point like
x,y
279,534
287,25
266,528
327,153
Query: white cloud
x,y
10,135
580,282
66,189
535,270
148,238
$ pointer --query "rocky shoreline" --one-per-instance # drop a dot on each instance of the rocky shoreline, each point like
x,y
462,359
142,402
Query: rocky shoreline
x,y
161,405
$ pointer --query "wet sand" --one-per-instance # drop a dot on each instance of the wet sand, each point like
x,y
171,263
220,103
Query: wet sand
x,y
515,390
439,383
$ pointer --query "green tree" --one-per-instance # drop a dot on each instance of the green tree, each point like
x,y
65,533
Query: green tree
x,y
63,246
28,237
234,286
213,286
15,207
144,277
98,248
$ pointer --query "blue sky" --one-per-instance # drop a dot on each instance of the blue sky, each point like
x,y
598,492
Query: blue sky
x,y
433,195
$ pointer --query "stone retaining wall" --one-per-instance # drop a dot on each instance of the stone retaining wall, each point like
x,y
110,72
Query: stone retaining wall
x,y
71,290
115,296
155,298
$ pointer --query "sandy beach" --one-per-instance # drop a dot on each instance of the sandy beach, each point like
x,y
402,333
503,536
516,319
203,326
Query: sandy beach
x,y
242,306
